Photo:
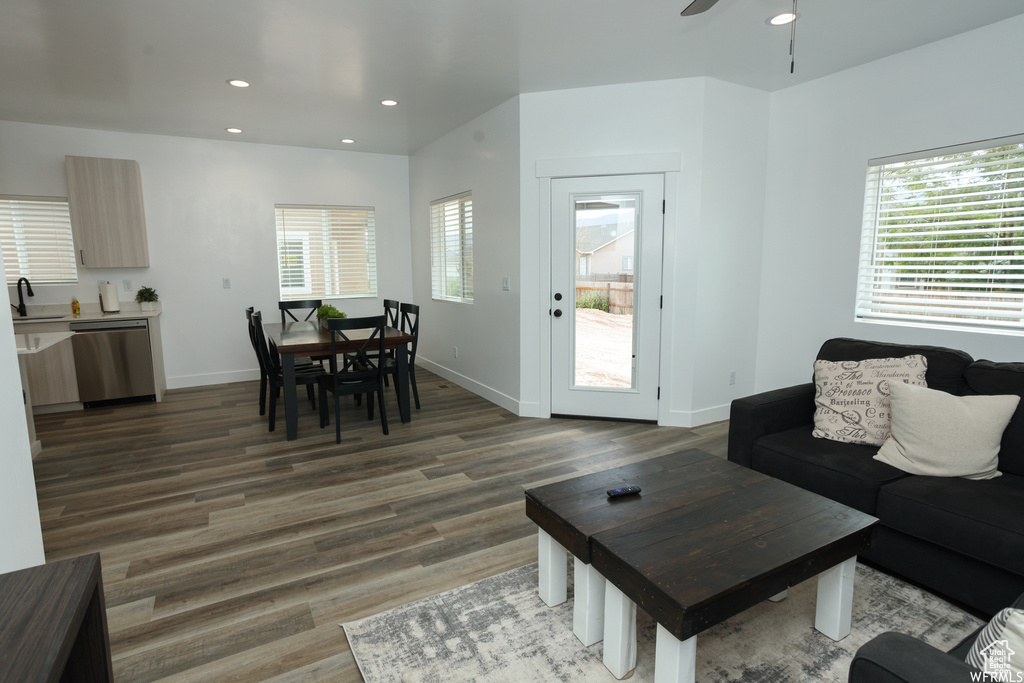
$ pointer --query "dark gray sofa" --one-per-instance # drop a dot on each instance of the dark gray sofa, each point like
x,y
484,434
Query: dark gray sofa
x,y
899,658
958,537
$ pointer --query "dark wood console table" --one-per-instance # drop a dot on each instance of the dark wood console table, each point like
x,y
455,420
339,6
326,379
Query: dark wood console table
x,y
54,625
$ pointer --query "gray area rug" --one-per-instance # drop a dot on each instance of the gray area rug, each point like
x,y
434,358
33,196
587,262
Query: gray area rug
x,y
498,629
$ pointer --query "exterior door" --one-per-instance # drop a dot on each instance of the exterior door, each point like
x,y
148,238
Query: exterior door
x,y
606,235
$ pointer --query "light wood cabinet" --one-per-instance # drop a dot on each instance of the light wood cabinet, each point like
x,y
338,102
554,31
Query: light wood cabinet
x,y
107,217
52,378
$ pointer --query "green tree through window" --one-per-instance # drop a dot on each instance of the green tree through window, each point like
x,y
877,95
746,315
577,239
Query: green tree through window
x,y
944,239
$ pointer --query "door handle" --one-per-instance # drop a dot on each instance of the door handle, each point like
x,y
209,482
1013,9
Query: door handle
x,y
558,312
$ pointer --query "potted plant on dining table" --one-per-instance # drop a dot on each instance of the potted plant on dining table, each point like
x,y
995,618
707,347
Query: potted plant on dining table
x,y
326,312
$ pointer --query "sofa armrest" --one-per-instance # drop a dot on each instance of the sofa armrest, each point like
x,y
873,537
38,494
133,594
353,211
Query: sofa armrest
x,y
772,411
899,658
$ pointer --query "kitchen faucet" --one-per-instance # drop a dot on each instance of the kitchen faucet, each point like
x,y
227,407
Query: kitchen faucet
x,y
22,311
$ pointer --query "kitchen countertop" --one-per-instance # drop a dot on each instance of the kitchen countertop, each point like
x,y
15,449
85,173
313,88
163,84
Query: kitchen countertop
x,y
39,341
62,314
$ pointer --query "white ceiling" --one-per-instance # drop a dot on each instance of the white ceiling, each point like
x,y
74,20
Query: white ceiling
x,y
319,68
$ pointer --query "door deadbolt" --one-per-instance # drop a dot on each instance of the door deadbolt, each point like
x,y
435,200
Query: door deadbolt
x,y
558,296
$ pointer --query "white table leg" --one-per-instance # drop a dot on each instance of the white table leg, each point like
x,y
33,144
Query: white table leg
x,y
835,600
619,631
588,603
675,661
779,597
552,568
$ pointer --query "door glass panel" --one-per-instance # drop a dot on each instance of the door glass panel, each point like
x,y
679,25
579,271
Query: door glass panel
x,y
605,237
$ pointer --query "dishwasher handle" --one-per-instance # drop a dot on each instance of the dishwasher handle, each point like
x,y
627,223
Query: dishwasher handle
x,y
94,325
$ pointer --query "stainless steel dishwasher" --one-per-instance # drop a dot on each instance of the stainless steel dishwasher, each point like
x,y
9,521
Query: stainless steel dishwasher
x,y
113,361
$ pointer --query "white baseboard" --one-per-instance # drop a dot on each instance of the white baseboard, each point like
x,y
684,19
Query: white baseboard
x,y
493,395
185,381
695,418
531,409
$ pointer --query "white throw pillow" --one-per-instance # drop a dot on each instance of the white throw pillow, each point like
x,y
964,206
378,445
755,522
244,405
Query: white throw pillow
x,y
942,435
852,397
999,647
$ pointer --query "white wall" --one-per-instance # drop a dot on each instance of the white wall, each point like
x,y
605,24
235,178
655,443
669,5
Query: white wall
x,y
210,215
726,288
481,156
711,239
822,133
21,538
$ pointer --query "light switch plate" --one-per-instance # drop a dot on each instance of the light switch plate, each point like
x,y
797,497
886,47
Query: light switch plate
x,y
226,283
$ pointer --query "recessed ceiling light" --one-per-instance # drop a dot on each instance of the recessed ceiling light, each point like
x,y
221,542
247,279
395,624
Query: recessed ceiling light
x,y
389,103
781,19
347,141
233,130
238,83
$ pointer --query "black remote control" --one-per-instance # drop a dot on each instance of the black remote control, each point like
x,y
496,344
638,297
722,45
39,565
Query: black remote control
x,y
623,491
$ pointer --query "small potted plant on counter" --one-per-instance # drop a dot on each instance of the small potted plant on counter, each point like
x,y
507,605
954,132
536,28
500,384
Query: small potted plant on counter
x,y
326,312
147,298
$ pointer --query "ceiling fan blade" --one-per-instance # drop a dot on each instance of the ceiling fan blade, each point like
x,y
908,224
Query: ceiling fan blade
x,y
697,6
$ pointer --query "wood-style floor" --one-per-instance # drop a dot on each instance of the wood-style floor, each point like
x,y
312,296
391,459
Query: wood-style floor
x,y
230,553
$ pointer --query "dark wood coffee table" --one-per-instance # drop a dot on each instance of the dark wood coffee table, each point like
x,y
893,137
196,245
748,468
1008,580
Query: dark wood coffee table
x,y
705,540
569,512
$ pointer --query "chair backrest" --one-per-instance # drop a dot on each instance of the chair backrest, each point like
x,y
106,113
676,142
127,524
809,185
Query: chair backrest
x,y
260,344
358,353
411,325
252,334
391,313
288,306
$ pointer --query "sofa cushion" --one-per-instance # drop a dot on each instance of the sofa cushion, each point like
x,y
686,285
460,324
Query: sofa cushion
x,y
988,377
941,435
844,472
979,518
995,657
851,397
946,367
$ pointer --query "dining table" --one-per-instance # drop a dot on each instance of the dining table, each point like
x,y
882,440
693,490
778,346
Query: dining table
x,y
306,339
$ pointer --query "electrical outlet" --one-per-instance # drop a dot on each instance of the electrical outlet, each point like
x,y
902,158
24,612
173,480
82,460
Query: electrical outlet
x,y
732,377
226,283
506,284
127,285
455,352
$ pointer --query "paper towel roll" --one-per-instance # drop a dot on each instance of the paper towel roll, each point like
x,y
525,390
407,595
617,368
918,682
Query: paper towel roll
x,y
108,298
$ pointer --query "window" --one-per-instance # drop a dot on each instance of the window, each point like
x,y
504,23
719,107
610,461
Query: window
x,y
35,233
627,263
943,238
326,252
451,247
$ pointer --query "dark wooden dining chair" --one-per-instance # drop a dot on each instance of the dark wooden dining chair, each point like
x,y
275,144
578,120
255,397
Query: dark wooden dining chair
x,y
259,359
288,306
270,363
286,312
391,320
410,324
391,313
361,371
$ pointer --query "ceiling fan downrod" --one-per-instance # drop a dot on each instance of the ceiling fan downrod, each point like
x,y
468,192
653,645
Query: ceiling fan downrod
x,y
792,40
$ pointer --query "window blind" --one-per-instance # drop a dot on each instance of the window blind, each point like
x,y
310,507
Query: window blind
x,y
35,234
326,251
451,240
943,238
